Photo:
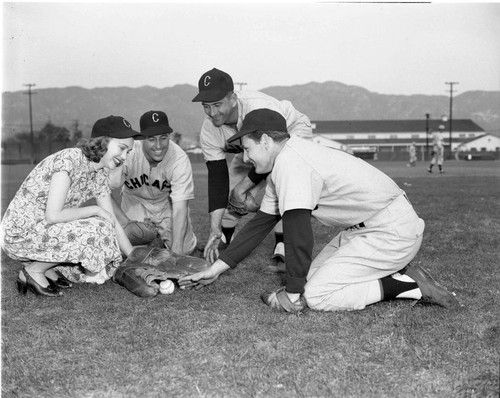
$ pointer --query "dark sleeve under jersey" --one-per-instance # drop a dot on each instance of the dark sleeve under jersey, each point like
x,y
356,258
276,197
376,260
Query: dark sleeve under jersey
x,y
256,178
218,184
299,243
249,238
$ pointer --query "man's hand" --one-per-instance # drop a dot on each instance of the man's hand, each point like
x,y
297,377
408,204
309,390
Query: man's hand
x,y
203,278
211,252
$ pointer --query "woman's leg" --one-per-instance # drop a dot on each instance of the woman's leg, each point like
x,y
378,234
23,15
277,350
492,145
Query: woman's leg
x,y
37,270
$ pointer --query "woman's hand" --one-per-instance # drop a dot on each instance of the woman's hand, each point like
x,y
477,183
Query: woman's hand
x,y
106,215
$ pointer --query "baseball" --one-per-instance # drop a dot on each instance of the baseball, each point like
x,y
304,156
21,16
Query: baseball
x,y
167,287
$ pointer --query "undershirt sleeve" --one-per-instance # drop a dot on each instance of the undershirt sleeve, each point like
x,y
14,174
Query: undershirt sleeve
x,y
249,238
299,243
256,178
218,184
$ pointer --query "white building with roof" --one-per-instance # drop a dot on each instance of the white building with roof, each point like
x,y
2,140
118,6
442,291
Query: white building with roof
x,y
390,139
486,146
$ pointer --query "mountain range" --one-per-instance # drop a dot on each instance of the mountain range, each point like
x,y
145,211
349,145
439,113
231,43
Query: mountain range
x,y
81,107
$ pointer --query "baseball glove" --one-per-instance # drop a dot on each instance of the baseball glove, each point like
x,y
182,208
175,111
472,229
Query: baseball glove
x,y
140,233
146,266
239,208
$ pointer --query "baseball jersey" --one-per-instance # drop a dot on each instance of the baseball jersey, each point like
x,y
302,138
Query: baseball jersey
x,y
437,139
340,189
156,188
213,139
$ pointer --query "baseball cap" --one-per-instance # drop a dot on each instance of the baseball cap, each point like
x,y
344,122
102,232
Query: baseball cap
x,y
114,127
441,127
261,120
213,86
154,123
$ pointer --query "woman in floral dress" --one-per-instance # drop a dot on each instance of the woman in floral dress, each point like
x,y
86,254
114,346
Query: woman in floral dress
x,y
46,225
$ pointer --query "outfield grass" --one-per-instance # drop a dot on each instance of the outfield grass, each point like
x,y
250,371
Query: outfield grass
x,y
222,341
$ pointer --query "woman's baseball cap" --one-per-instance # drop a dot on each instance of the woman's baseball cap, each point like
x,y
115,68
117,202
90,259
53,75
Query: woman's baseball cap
x,y
261,120
115,127
154,123
213,85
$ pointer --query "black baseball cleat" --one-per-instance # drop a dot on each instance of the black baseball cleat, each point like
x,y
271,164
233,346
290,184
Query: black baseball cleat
x,y
279,267
432,291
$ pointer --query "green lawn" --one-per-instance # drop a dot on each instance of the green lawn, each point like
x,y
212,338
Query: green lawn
x,y
222,341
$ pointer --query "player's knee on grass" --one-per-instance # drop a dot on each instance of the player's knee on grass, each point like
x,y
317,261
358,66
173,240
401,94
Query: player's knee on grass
x,y
342,298
139,234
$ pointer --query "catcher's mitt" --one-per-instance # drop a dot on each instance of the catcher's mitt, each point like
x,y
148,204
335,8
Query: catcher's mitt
x,y
239,208
140,233
145,266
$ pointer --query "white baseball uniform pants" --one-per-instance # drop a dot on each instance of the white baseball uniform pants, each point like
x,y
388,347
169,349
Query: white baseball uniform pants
x,y
135,210
345,275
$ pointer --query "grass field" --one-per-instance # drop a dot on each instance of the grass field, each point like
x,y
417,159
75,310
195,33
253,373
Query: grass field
x,y
222,341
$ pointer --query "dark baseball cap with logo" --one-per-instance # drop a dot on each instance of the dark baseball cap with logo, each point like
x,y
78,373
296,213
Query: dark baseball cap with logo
x,y
154,123
114,127
213,85
261,120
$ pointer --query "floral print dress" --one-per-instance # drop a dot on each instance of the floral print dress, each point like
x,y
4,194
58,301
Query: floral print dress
x,y
89,244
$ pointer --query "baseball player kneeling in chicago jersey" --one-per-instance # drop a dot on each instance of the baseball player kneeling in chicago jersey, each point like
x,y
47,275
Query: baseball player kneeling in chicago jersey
x,y
157,183
226,109
367,262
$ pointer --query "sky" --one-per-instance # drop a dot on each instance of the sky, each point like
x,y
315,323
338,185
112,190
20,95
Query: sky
x,y
398,48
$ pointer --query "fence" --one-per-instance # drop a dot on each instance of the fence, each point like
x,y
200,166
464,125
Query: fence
x,y
20,152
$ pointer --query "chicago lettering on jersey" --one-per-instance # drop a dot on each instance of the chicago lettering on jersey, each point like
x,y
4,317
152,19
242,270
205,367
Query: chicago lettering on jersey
x,y
134,183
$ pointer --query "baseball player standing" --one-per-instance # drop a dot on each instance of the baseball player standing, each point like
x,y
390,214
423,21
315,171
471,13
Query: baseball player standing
x,y
225,110
437,149
156,184
413,155
367,262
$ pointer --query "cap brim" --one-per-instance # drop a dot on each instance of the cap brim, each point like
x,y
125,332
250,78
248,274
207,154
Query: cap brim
x,y
156,130
128,133
239,134
210,96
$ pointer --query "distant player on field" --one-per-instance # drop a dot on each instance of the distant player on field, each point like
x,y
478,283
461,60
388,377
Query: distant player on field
x,y
157,184
367,262
413,155
226,109
437,149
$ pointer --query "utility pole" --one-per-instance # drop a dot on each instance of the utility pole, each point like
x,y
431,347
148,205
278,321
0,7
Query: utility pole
x,y
30,93
75,130
451,111
427,115
241,85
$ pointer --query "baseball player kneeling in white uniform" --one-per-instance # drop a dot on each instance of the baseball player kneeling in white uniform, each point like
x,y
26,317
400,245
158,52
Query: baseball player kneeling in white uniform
x,y
157,184
365,263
